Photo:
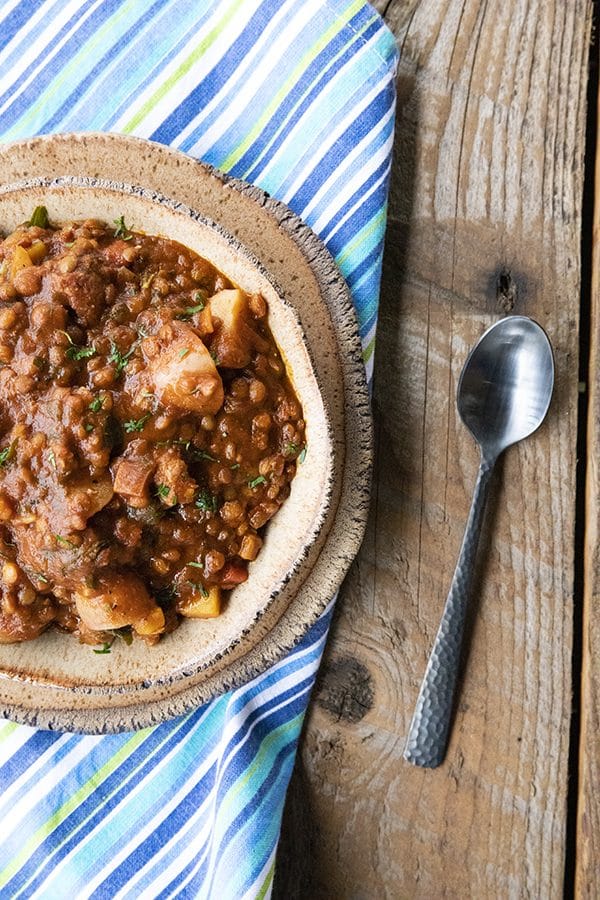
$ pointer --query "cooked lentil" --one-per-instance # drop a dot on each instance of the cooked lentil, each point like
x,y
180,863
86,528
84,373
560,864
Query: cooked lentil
x,y
148,431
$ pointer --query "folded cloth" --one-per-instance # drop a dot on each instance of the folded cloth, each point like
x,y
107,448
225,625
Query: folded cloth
x,y
299,99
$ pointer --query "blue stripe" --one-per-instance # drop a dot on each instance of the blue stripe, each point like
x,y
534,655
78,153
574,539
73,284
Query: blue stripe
x,y
43,77
63,746
152,749
217,77
191,802
354,133
17,18
279,125
18,764
9,58
55,120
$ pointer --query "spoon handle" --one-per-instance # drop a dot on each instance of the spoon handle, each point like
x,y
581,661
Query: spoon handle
x,y
428,734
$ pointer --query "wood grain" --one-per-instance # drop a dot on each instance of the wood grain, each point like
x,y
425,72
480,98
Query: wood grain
x,y
485,218
588,820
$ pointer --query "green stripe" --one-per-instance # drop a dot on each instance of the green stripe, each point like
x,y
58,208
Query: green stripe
x,y
267,883
72,71
368,351
6,729
263,751
306,60
183,68
78,797
364,234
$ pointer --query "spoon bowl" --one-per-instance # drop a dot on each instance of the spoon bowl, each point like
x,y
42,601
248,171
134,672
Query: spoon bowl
x,y
503,396
506,384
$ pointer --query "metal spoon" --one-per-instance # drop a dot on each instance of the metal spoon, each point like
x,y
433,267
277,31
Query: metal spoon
x,y
503,396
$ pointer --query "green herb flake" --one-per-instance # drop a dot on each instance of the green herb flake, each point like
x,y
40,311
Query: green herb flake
x,y
198,586
65,542
196,565
120,359
302,456
135,424
39,577
77,353
260,479
89,427
291,449
163,490
234,467
123,633
96,404
183,353
206,502
122,230
39,217
6,455
105,648
203,455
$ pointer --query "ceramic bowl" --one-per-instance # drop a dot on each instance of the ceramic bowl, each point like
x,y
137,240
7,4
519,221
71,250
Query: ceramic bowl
x,y
56,682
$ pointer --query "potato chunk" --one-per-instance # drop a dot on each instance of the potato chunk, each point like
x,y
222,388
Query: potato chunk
x,y
197,606
234,337
117,600
184,372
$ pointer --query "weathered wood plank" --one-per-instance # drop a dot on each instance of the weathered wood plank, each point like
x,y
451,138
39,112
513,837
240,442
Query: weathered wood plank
x,y
485,217
588,824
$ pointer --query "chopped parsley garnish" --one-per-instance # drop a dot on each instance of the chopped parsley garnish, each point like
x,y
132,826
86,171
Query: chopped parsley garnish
x,y
135,424
39,577
105,648
207,501
260,479
202,454
291,449
198,307
96,404
184,352
75,352
196,565
198,586
122,230
6,455
302,456
64,542
39,217
89,427
119,359
234,467
163,490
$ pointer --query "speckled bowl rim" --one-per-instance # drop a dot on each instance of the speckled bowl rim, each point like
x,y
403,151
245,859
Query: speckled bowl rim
x,y
336,297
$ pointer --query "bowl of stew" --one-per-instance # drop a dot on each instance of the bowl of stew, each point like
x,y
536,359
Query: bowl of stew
x,y
169,466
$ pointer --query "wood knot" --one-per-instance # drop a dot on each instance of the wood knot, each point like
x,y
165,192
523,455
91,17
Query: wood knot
x,y
345,689
506,291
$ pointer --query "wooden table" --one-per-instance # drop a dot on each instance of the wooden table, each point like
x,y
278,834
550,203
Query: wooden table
x,y
486,216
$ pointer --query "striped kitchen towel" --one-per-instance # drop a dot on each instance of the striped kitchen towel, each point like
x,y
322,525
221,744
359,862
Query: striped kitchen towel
x,y
297,97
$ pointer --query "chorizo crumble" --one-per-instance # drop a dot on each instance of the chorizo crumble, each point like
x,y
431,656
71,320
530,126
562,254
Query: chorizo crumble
x,y
148,432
